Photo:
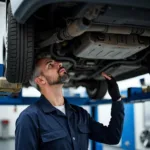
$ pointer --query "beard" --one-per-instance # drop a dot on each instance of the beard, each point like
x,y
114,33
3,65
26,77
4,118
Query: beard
x,y
62,79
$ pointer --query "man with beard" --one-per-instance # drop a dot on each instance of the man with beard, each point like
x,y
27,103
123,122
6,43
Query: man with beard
x,y
53,124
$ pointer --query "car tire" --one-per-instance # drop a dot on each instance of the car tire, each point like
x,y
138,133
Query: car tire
x,y
97,90
20,49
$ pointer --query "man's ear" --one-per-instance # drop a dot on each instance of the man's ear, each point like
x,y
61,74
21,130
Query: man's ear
x,y
39,80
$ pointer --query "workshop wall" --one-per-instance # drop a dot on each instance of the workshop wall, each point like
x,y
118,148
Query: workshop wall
x,y
139,123
2,25
10,113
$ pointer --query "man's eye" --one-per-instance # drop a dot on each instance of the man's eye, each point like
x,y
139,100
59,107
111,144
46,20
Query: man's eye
x,y
49,65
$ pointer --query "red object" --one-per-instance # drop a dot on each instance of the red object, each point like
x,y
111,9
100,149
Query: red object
x,y
15,108
5,121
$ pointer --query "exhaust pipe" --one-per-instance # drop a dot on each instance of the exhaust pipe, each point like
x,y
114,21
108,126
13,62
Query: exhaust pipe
x,y
79,26
75,29
119,30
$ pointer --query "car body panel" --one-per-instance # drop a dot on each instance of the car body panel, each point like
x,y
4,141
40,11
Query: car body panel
x,y
23,9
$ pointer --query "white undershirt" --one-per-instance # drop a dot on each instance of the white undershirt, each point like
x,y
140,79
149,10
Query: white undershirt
x,y
61,108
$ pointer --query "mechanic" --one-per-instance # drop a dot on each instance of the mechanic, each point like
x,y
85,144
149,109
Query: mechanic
x,y
53,123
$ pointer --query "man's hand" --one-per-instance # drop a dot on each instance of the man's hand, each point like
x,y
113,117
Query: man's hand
x,y
113,88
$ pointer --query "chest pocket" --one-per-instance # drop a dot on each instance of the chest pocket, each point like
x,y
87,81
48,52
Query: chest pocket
x,y
83,137
83,129
53,135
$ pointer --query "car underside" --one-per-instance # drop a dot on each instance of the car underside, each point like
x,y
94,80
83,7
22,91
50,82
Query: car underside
x,y
88,38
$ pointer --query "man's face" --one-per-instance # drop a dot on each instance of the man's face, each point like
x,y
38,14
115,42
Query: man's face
x,y
53,71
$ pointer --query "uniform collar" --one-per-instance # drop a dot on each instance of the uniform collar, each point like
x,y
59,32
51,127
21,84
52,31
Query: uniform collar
x,y
47,107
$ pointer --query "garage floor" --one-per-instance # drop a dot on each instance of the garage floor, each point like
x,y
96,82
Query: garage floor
x,y
7,144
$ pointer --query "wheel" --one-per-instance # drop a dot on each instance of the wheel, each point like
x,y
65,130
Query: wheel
x,y
20,49
97,90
